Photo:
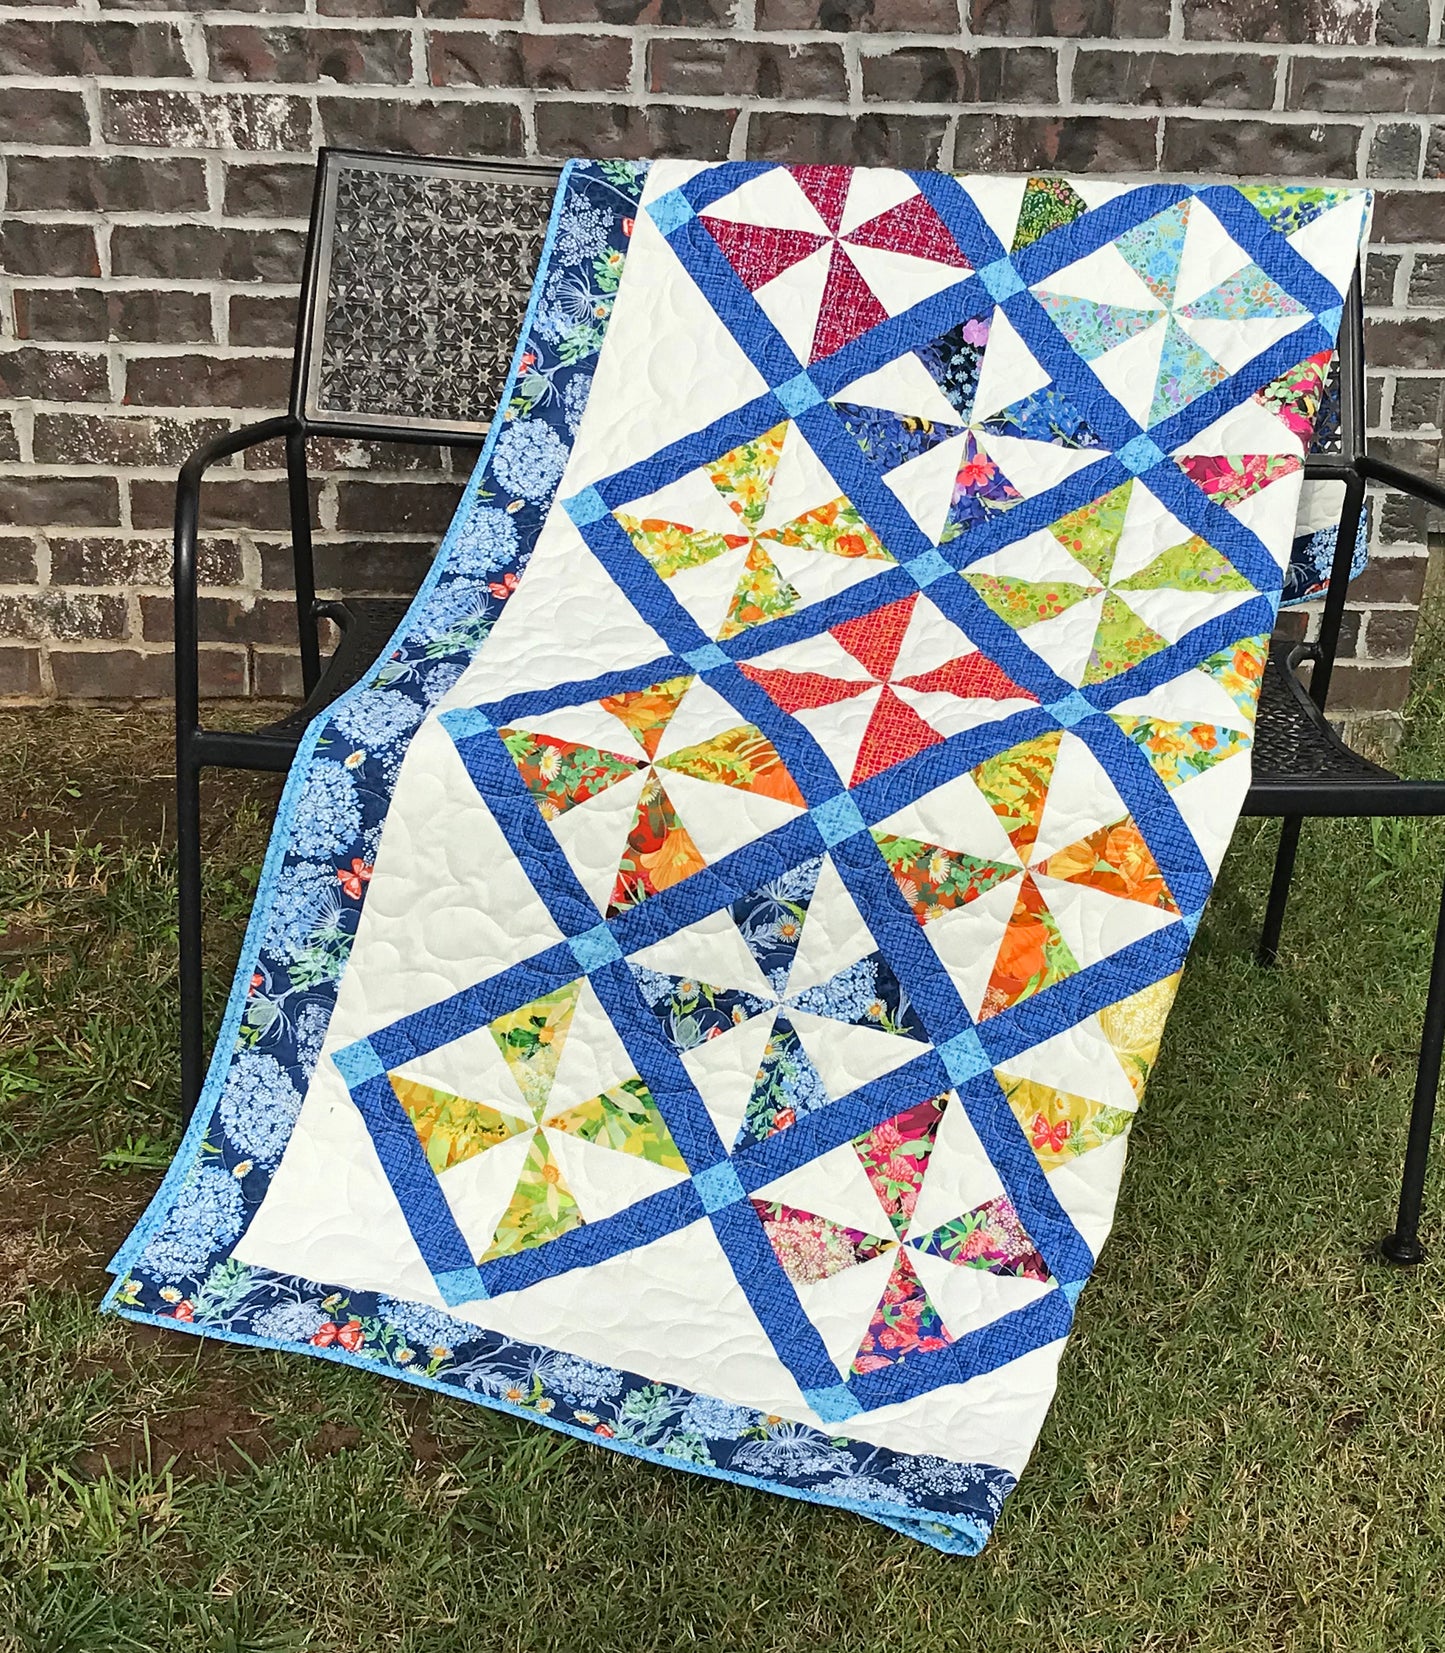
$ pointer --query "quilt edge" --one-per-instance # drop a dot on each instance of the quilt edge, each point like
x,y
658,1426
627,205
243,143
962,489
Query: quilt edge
x,y
950,1535
277,847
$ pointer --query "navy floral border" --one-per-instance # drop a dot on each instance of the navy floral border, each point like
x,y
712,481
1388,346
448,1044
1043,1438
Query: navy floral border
x,y
177,1268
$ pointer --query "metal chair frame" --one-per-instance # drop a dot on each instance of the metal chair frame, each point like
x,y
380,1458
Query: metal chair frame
x,y
1302,767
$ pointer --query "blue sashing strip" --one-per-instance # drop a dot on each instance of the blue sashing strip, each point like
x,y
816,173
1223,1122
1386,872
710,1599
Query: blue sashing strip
x,y
273,1004
189,1230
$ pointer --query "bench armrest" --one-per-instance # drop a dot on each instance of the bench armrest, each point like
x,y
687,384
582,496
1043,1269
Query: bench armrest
x,y
188,515
1427,488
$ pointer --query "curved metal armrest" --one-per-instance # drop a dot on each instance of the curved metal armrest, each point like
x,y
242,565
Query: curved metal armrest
x,y
188,514
1426,488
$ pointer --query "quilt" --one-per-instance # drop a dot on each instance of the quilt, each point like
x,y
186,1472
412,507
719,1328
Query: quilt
x,y
702,982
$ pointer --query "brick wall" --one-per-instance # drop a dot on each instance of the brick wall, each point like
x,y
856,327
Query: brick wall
x,y
156,159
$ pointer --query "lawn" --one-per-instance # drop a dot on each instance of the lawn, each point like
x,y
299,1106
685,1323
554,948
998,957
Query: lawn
x,y
1247,1452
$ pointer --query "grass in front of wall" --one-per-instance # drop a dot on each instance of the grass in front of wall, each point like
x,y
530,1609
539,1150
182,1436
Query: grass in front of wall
x,y
1247,1452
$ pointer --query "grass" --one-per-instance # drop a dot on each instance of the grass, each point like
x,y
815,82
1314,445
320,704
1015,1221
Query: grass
x,y
1247,1453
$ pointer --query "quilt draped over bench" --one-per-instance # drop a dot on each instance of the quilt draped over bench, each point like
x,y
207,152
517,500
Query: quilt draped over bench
x,y
699,991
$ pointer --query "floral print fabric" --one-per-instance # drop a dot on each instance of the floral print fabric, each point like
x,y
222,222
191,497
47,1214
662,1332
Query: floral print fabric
x,y
956,1179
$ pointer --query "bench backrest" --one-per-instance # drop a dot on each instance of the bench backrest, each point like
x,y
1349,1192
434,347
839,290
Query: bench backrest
x,y
416,282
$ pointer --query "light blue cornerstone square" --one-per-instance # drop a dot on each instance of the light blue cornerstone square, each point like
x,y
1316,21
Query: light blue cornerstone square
x,y
930,566
1072,709
594,948
671,211
1141,454
718,1186
1330,319
798,394
1001,279
357,1063
837,819
1071,1289
464,722
833,1404
964,1056
588,506
707,657
460,1285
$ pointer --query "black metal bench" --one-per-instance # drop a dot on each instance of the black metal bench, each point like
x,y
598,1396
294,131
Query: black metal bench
x,y
416,280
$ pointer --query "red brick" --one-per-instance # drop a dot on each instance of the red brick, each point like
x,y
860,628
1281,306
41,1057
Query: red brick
x,y
269,189
396,507
937,74
276,674
1391,633
685,14
614,129
349,57
1068,143
48,249
843,16
208,5
134,674
150,51
1270,148
1361,688
502,11
465,127
105,183
1390,580
130,561
201,252
106,439
1403,216
349,454
1404,342
1176,80
67,616
1316,22
207,381
1078,19
205,120
18,562
870,140
43,114
36,501
226,502
268,322
224,619
548,62
83,315
361,567
19,672
1367,85
728,67
72,314
54,375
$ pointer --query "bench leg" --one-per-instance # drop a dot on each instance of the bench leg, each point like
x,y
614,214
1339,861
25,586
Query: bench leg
x,y
1284,858
188,872
1403,1246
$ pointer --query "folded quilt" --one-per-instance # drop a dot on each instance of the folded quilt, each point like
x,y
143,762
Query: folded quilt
x,y
700,991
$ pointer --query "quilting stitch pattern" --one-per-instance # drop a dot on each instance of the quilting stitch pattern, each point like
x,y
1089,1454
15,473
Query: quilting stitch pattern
x,y
1010,857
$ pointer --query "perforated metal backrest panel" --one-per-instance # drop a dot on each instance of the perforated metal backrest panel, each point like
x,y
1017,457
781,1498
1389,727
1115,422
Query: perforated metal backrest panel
x,y
1328,437
421,276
